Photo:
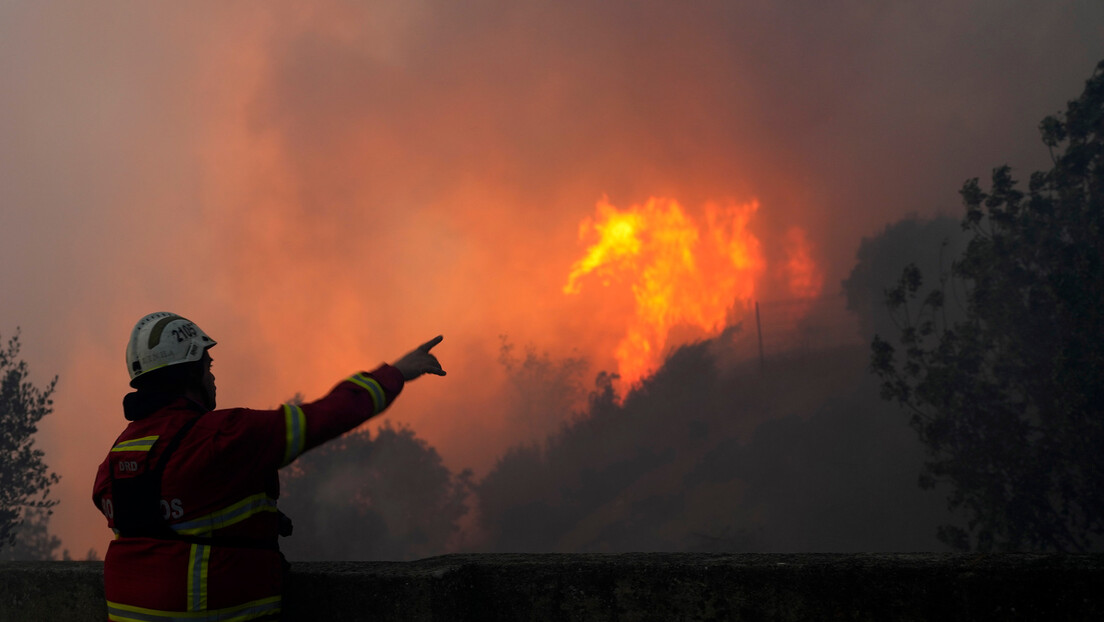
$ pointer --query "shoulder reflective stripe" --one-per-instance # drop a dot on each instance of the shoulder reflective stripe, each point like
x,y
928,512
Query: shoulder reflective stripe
x,y
295,422
245,611
379,398
136,444
198,561
204,525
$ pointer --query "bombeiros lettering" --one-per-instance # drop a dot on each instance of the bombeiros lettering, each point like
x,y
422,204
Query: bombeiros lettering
x,y
172,509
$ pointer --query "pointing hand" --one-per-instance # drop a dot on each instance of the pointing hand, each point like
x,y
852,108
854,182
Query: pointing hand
x,y
420,361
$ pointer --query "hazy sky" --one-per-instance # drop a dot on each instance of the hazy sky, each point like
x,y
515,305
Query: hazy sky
x,y
322,187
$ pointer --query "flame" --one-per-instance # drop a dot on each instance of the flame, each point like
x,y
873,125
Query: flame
x,y
680,277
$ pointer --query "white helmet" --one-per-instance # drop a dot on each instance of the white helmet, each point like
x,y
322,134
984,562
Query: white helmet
x,y
162,339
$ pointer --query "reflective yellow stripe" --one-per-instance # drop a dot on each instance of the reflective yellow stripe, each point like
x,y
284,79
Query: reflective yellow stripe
x,y
245,611
136,444
199,559
295,424
379,398
204,525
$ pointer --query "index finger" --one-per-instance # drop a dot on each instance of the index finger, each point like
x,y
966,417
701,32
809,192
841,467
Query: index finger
x,y
427,346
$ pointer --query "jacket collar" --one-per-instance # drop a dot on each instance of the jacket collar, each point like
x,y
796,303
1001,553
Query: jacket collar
x,y
141,404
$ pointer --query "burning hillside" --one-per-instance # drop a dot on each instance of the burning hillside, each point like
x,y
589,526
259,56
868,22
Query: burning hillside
x,y
689,275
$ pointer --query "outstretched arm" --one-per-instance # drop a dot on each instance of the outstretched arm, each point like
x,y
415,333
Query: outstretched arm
x,y
376,390
297,428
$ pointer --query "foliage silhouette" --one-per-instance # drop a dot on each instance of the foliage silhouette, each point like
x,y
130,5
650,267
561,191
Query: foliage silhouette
x,y
1009,400
364,498
33,540
25,479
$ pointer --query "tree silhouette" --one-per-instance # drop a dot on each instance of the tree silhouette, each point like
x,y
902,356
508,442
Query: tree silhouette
x,y
1009,401
363,498
33,540
24,478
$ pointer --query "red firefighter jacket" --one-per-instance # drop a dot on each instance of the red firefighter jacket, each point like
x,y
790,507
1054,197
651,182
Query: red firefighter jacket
x,y
219,487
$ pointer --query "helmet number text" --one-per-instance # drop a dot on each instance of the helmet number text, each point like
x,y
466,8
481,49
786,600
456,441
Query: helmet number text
x,y
187,331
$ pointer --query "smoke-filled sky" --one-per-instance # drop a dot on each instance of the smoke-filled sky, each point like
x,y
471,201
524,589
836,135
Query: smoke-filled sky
x,y
321,187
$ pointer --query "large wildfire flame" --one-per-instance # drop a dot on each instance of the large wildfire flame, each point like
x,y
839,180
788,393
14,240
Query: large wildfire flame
x,y
680,276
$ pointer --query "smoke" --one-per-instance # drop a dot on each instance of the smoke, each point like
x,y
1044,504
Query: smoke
x,y
322,187
541,393
931,244
364,498
802,458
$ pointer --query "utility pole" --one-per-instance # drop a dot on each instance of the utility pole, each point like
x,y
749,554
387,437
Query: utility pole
x,y
759,329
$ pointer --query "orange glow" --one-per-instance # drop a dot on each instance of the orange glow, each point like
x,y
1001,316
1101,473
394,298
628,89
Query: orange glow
x,y
680,277
805,279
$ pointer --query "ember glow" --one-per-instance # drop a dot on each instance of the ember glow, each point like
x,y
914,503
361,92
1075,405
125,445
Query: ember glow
x,y
805,279
684,272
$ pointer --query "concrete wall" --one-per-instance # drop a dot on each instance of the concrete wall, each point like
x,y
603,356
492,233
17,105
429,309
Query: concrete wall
x,y
636,587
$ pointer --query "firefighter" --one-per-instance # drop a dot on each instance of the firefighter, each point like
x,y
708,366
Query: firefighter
x,y
190,491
